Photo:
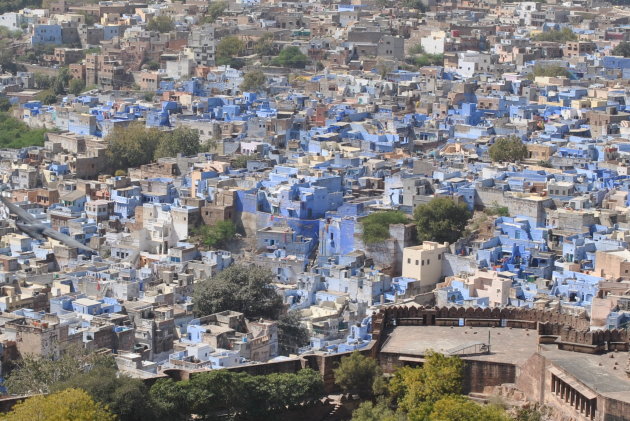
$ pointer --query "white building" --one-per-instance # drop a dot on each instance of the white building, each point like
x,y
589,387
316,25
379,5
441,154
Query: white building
x,y
470,63
434,43
12,21
180,69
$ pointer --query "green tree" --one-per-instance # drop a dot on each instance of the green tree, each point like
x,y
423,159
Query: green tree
x,y
264,45
5,104
215,391
161,24
549,71
67,405
181,140
254,81
47,97
376,225
459,408
217,235
240,161
222,394
441,220
508,149
357,374
415,4
496,210
15,133
380,411
563,35
291,333
534,412
131,146
42,81
215,10
152,65
127,398
90,19
622,49
228,50
136,145
416,389
171,400
425,59
243,288
291,57
59,82
76,86
35,374
417,49
8,62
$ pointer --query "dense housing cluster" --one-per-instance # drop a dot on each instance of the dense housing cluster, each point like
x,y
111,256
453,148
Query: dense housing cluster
x,y
265,185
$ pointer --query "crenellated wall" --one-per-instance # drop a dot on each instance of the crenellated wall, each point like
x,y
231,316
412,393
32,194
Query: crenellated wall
x,y
570,332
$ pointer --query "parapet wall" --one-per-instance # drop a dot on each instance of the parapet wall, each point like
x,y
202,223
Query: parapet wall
x,y
571,333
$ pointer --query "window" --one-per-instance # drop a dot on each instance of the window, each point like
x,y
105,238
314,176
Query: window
x,y
417,262
428,261
439,257
423,263
409,260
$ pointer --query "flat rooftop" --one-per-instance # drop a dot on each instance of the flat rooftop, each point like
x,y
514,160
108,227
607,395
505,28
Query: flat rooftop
x,y
507,345
604,373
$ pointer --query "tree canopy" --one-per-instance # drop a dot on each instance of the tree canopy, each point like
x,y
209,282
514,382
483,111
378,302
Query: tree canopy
x,y
254,81
243,288
549,71
291,57
17,5
459,408
376,225
215,10
235,394
17,134
161,24
136,145
264,45
508,149
181,140
291,333
441,220
228,50
622,49
76,86
563,35
380,411
67,405
240,161
36,374
428,393
439,376
217,235
357,374
127,398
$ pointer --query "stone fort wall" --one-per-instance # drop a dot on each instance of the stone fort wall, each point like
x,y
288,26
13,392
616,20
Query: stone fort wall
x,y
570,332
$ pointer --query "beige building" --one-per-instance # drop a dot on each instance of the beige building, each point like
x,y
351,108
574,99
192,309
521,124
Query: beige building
x,y
495,286
612,264
424,263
